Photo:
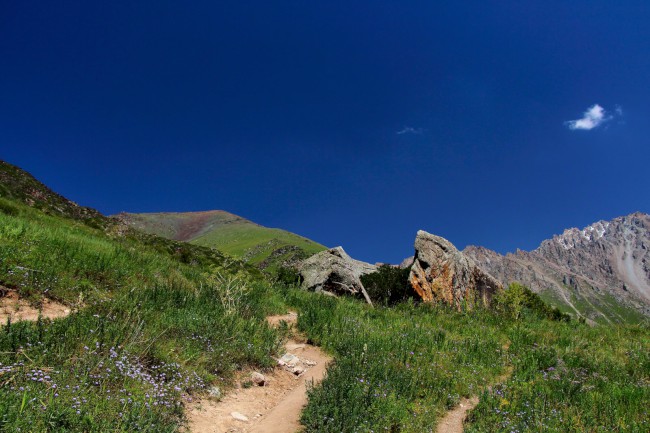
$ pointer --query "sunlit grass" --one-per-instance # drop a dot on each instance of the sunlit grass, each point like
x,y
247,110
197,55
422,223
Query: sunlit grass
x,y
154,328
399,369
159,322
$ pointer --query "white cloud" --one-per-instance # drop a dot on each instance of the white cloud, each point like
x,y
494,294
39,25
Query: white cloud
x,y
410,130
592,118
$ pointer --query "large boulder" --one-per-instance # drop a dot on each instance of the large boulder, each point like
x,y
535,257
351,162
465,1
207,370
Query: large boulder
x,y
334,272
442,273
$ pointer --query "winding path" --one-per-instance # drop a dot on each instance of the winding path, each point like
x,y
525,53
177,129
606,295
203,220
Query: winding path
x,y
273,408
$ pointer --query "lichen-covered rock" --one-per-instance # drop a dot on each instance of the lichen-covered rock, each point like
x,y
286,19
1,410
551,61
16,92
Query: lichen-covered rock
x,y
333,271
441,273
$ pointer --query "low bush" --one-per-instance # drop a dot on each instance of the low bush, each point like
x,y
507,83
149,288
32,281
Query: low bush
x,y
518,301
287,276
389,285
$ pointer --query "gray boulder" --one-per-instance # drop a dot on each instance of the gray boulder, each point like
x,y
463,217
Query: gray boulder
x,y
334,272
441,273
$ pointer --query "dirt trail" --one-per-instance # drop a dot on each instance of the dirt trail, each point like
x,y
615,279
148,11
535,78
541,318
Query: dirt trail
x,y
454,419
272,408
11,306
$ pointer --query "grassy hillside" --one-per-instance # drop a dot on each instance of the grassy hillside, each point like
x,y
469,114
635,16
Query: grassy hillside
x,y
234,235
154,326
18,185
400,369
158,322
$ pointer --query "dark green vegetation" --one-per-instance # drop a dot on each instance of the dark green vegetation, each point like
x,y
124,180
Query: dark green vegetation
x,y
389,285
160,321
260,246
18,185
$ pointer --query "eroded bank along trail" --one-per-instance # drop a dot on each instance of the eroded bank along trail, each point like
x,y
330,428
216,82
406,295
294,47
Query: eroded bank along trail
x,y
14,308
274,407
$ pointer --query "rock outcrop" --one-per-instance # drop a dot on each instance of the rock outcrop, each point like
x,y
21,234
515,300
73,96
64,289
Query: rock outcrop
x,y
601,272
334,272
441,273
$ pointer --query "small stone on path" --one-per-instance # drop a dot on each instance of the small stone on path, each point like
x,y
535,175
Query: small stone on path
x,y
289,359
215,392
258,379
239,417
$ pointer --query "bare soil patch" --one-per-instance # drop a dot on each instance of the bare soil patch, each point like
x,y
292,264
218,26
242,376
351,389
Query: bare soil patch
x,y
453,421
17,309
272,408
291,318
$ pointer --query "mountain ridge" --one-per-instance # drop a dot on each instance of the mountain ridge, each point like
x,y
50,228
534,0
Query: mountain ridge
x,y
588,270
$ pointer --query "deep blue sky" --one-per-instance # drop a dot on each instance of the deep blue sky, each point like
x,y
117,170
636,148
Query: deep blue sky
x,y
353,123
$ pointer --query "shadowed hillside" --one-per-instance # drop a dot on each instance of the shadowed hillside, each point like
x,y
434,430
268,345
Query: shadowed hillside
x,y
19,185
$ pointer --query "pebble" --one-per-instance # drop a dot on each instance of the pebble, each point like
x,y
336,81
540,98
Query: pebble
x,y
288,359
215,392
258,379
239,417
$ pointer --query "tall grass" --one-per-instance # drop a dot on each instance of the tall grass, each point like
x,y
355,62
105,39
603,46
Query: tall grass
x,y
68,261
400,369
158,322
396,369
571,379
153,329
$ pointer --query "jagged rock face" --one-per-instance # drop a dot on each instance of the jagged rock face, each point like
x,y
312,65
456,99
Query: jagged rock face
x,y
588,270
442,273
334,271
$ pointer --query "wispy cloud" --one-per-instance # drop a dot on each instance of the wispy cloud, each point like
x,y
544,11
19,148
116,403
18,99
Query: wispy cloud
x,y
410,130
592,118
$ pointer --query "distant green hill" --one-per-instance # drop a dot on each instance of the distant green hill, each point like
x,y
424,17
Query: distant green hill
x,y
264,247
24,196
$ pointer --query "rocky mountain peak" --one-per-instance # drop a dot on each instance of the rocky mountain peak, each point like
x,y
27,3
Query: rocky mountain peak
x,y
590,270
573,236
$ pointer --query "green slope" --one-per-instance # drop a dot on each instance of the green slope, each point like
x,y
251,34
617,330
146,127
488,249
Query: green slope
x,y
155,321
18,185
234,235
159,322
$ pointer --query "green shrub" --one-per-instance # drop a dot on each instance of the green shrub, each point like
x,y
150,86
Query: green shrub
x,y
389,285
518,301
288,276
